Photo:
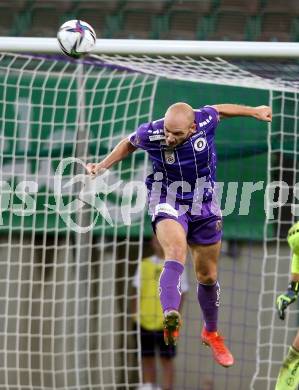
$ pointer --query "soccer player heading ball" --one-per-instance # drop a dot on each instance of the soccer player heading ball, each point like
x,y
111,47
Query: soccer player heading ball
x,y
181,147
288,377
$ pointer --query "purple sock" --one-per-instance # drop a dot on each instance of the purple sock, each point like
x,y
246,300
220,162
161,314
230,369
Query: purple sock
x,y
170,285
208,297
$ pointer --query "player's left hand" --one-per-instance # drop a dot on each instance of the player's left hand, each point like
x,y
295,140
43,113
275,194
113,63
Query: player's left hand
x,y
263,113
284,300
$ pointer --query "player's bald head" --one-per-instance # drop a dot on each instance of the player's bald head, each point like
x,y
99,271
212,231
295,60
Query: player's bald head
x,y
179,123
179,115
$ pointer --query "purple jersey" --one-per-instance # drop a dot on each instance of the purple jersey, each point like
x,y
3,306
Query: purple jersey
x,y
189,163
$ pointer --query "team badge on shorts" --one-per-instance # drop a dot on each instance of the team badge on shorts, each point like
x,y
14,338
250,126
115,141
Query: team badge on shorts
x,y
218,225
200,144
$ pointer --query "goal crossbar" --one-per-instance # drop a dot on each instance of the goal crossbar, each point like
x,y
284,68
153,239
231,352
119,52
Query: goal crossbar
x,y
161,47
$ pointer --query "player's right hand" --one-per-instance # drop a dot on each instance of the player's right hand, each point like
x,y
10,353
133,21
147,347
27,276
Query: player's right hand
x,y
284,300
263,113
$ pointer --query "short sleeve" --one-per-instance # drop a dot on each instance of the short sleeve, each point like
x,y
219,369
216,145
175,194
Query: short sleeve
x,y
139,138
212,112
133,139
207,119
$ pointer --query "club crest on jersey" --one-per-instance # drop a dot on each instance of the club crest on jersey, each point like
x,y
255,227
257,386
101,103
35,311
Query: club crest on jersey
x,y
200,144
169,156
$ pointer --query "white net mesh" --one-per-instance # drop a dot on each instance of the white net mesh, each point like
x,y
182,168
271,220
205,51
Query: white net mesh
x,y
65,291
275,336
64,295
204,70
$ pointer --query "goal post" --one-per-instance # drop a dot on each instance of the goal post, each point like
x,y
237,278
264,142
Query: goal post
x,y
69,245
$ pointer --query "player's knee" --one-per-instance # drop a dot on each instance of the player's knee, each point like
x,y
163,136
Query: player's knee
x,y
175,253
206,277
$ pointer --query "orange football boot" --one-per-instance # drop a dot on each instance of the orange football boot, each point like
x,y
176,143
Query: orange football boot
x,y
221,353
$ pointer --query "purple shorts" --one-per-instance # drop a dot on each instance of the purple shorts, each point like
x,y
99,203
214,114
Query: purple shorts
x,y
201,228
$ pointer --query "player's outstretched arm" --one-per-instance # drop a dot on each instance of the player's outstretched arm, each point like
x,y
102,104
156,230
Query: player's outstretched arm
x,y
263,113
121,151
290,296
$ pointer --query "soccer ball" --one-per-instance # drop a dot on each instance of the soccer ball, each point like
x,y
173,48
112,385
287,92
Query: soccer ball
x,y
76,38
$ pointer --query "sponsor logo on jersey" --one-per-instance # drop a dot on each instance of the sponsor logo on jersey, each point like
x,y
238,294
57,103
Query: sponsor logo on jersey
x,y
206,122
156,137
197,134
200,144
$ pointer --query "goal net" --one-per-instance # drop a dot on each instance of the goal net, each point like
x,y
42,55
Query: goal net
x,y
69,245
275,336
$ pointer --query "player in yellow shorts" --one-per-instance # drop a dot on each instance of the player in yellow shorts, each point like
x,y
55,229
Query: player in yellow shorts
x,y
288,378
